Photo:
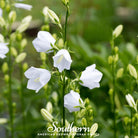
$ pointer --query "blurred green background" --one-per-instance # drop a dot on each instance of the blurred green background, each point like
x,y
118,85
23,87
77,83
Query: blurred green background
x,y
89,31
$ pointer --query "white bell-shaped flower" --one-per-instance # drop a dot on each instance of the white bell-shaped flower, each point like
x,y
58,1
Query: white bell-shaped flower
x,y
91,77
62,60
1,12
3,50
72,101
23,6
43,41
37,78
131,101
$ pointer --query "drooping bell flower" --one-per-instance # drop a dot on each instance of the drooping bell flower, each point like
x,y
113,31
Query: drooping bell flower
x,y
3,50
43,41
62,60
72,101
37,78
91,77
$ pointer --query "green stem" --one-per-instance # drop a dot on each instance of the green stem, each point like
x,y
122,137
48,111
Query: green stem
x,y
131,125
10,92
22,101
114,88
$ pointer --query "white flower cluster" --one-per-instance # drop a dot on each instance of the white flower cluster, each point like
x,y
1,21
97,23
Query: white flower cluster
x,y
90,77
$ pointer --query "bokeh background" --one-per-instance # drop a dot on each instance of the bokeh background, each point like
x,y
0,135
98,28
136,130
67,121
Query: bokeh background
x,y
90,27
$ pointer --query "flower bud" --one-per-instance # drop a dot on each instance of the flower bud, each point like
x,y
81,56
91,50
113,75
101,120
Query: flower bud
x,y
84,122
45,28
25,66
116,50
115,58
6,78
14,52
12,16
20,57
93,129
60,43
2,4
1,38
23,43
126,136
24,24
3,121
49,107
87,101
2,22
43,56
5,67
19,36
81,113
132,71
65,2
55,96
111,92
131,101
12,36
90,112
8,7
55,36
120,73
117,31
110,60
47,116
126,120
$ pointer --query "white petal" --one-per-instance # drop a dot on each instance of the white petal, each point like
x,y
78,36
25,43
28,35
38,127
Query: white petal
x,y
71,100
34,85
46,36
2,56
23,6
1,12
32,72
3,49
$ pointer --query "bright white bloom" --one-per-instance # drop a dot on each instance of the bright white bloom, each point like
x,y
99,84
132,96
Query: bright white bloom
x,y
62,60
43,41
1,12
37,78
3,50
72,101
131,101
91,77
23,6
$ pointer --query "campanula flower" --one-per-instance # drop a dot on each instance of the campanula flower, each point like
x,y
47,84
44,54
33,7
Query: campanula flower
x,y
91,77
37,78
72,101
43,41
23,6
62,60
3,50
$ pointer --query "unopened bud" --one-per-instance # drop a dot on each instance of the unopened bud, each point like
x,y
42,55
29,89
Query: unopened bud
x,y
47,116
23,43
1,38
3,121
49,107
2,22
132,71
55,96
12,16
65,2
14,52
120,73
45,28
126,120
6,78
111,92
110,60
19,36
84,122
60,43
25,66
2,4
116,50
87,101
20,57
81,113
90,112
43,56
8,7
93,129
117,31
5,67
